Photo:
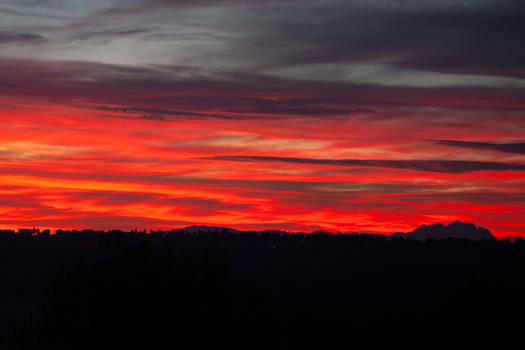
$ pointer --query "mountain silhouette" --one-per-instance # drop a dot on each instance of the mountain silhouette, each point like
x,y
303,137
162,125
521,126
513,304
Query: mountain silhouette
x,y
457,229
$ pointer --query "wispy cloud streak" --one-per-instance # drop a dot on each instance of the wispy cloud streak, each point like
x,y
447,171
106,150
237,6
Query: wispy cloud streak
x,y
441,166
516,147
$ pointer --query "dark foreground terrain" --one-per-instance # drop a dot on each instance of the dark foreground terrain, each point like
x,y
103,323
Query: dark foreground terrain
x,y
270,291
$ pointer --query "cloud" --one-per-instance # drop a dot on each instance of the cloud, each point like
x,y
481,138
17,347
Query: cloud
x,y
484,197
180,88
156,114
110,33
7,37
483,38
460,38
518,147
440,166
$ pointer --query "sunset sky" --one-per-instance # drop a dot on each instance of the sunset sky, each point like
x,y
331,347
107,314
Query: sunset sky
x,y
362,115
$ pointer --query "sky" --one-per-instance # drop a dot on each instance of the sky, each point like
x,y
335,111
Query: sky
x,y
353,116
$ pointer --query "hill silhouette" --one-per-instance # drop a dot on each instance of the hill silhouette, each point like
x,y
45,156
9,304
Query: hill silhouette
x,y
457,230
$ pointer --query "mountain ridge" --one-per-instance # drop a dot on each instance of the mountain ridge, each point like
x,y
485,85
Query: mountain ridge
x,y
456,229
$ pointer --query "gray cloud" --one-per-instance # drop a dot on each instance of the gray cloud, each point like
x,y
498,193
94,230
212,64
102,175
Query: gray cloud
x,y
518,147
156,114
111,33
481,38
169,90
20,37
484,197
440,166
467,37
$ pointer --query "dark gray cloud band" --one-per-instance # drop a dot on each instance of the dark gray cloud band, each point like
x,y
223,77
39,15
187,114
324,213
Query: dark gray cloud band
x,y
518,147
8,37
463,38
178,88
439,166
156,114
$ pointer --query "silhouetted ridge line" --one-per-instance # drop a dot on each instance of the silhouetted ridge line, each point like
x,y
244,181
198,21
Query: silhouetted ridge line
x,y
457,229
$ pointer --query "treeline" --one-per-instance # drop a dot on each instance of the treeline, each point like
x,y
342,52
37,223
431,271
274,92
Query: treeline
x,y
275,291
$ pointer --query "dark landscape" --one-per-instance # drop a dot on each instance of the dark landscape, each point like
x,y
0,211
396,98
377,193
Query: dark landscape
x,y
203,287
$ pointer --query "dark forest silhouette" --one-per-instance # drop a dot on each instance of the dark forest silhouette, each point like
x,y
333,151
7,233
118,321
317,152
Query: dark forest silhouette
x,y
206,289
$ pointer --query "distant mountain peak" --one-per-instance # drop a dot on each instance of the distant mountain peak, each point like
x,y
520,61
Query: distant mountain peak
x,y
456,229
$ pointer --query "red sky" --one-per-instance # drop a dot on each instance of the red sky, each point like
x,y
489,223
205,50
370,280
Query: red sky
x,y
288,115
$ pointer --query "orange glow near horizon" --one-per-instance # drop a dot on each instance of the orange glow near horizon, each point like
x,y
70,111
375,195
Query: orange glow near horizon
x,y
81,169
